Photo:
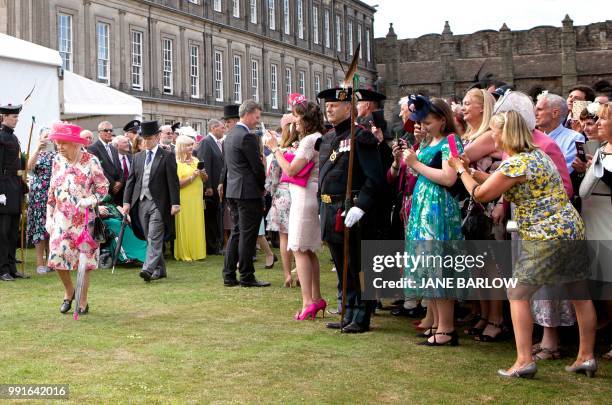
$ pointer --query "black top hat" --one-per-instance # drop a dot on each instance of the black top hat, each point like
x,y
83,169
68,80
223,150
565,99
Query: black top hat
x,y
369,95
336,94
231,111
10,109
175,126
149,128
133,125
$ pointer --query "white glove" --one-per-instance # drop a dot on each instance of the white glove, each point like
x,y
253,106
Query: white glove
x,y
2,199
353,216
86,202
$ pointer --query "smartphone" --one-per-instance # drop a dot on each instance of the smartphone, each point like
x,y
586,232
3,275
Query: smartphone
x,y
580,151
379,119
452,146
200,165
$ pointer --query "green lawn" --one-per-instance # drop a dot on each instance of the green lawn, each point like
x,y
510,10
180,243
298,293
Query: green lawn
x,y
188,339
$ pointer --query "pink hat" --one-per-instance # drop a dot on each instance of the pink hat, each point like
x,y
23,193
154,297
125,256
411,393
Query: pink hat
x,y
62,131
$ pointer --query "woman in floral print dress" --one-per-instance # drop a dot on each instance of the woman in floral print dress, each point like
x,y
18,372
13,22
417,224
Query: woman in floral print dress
x,y
77,184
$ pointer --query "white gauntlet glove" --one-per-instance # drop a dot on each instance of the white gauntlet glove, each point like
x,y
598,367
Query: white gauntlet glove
x,y
353,216
2,199
86,202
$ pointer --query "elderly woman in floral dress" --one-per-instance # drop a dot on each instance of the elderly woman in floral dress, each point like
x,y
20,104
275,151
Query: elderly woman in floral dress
x,y
77,184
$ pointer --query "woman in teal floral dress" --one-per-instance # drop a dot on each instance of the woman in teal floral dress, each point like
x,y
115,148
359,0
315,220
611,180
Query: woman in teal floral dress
x,y
547,220
434,214
40,163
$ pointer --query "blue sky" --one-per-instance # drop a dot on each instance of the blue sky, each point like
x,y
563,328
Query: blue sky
x,y
415,18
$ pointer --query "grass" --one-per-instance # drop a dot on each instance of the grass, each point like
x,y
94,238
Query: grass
x,y
188,339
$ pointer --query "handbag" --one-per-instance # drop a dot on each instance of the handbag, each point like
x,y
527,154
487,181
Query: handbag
x,y
100,232
300,179
476,224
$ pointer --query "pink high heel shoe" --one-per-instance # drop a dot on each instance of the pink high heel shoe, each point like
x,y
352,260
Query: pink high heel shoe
x,y
309,312
320,306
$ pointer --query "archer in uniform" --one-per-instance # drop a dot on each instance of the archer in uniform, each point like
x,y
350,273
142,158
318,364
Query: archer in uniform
x,y
368,180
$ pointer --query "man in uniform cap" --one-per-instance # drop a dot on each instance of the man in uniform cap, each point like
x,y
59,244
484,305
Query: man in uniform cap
x,y
152,197
11,192
368,179
131,130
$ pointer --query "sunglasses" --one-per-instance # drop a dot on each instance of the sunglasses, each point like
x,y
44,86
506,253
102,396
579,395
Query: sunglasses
x,y
106,130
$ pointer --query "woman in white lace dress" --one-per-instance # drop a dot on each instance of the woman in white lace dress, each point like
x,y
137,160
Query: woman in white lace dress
x,y
304,225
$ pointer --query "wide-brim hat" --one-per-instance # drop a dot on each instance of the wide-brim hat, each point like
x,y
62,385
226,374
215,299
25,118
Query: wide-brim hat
x,y
336,94
231,111
149,128
10,109
133,125
61,131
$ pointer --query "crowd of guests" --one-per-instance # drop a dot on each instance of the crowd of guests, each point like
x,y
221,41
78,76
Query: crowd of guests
x,y
540,169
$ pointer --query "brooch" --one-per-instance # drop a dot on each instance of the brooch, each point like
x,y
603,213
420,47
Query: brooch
x,y
333,156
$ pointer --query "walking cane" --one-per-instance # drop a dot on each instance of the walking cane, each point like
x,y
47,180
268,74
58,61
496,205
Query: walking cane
x,y
349,82
119,241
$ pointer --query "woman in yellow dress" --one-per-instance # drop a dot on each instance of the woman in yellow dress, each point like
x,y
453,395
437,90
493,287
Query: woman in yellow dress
x,y
190,243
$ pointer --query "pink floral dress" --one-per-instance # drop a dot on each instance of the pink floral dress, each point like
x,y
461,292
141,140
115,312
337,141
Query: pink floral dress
x,y
65,222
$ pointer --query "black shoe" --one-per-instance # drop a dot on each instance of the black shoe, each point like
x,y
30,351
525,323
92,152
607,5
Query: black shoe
x,y
336,325
20,275
156,276
254,283
354,327
6,277
453,341
415,312
230,283
83,311
67,304
145,275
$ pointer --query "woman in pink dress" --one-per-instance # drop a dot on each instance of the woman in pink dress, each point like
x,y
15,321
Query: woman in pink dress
x,y
304,226
77,184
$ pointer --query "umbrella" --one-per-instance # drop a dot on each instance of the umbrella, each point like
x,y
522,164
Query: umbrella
x,y
119,241
83,242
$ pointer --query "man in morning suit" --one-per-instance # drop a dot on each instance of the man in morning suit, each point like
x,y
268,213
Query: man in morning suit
x,y
243,177
109,159
210,152
152,198
368,180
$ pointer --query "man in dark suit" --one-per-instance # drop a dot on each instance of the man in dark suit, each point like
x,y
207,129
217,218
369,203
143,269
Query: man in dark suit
x,y
243,177
210,152
152,197
122,144
109,159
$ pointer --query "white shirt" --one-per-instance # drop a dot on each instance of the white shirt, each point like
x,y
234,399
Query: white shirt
x,y
154,150
127,161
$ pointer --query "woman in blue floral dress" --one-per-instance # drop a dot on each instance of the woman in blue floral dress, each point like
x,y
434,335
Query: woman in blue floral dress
x,y
40,163
434,215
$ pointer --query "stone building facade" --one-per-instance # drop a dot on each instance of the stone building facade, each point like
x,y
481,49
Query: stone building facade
x,y
545,57
185,59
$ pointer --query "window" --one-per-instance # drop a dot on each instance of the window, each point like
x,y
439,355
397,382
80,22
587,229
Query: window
x,y
300,18
103,32
315,24
272,14
286,16
359,41
64,39
288,87
255,80
338,34
237,80
236,9
274,86
302,83
167,66
329,83
254,11
350,37
217,5
326,29
194,70
218,76
194,1
368,50
137,60
317,84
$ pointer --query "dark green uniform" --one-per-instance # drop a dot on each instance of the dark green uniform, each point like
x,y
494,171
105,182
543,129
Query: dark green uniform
x,y
367,182
11,187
